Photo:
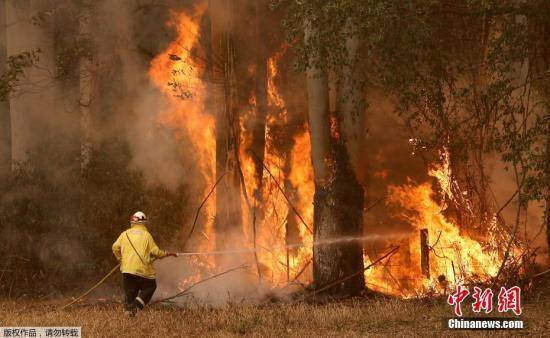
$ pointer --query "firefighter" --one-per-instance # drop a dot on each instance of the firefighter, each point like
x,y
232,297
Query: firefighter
x,y
136,250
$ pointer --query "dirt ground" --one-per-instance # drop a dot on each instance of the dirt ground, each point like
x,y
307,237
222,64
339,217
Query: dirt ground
x,y
359,317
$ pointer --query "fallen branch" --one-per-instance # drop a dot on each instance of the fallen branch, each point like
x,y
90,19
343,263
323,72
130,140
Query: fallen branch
x,y
302,270
284,194
370,207
92,288
432,247
183,292
326,287
293,281
508,248
395,280
537,274
200,207
506,203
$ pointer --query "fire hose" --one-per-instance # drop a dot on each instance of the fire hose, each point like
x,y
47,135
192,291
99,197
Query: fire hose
x,y
179,254
92,288
238,251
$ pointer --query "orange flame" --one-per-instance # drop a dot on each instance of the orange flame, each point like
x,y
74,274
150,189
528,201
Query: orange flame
x,y
454,256
178,74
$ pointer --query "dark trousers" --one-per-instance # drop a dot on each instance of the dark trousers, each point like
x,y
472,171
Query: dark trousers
x,y
137,286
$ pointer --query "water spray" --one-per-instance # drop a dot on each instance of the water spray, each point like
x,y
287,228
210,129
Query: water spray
x,y
341,240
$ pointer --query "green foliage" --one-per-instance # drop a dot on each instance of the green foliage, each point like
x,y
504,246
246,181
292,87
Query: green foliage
x,y
15,68
69,56
58,230
472,75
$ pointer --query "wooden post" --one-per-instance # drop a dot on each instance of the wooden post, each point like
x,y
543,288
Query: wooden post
x,y
424,253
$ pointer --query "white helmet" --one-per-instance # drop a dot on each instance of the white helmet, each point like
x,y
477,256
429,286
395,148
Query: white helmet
x,y
138,217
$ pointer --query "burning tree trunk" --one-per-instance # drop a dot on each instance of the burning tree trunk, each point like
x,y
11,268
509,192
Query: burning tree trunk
x,y
228,193
424,253
258,132
338,197
5,118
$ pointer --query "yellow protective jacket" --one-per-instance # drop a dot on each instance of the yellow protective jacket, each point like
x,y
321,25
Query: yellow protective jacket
x,y
139,261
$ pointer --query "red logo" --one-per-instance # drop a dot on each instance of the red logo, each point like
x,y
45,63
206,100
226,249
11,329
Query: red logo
x,y
483,300
508,300
457,298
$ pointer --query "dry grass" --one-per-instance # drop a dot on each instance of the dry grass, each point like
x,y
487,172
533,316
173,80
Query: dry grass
x,y
378,317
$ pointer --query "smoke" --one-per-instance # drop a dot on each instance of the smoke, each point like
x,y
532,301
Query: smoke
x,y
531,227
241,284
155,151
133,39
175,275
91,80
126,105
391,159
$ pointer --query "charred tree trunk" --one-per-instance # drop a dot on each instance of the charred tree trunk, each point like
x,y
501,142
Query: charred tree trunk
x,y
338,214
424,253
336,190
5,118
260,90
352,134
228,192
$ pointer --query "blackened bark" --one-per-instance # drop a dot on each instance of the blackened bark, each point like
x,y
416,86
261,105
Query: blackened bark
x,y
338,215
260,90
338,199
424,253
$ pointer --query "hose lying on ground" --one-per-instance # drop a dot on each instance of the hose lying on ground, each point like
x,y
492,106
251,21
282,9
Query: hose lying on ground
x,y
92,288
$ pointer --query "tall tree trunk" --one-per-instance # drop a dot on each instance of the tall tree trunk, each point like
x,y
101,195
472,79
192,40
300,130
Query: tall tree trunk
x,y
352,131
547,214
228,192
260,90
351,98
543,30
336,193
66,29
86,87
5,118
29,127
